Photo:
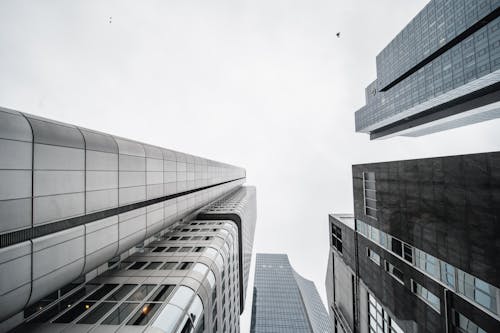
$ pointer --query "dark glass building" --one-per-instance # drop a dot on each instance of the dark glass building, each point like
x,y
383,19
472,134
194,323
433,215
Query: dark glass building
x,y
441,71
283,301
105,234
420,253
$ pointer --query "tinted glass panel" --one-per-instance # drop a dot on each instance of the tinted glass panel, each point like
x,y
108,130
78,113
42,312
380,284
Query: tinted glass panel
x,y
161,293
121,292
74,312
64,304
169,265
141,292
120,314
137,265
98,312
101,292
153,265
145,313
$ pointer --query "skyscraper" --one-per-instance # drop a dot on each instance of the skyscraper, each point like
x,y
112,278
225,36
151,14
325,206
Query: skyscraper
x,y
441,71
104,233
283,301
420,253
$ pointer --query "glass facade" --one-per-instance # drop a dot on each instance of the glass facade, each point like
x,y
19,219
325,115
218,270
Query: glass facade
x,y
283,301
450,49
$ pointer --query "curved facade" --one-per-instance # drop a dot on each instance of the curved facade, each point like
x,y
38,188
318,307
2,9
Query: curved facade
x,y
184,281
72,199
241,208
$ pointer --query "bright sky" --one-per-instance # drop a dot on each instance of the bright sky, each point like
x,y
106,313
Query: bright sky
x,y
264,84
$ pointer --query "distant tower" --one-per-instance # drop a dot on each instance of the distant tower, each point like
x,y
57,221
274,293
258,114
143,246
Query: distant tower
x,y
283,301
442,71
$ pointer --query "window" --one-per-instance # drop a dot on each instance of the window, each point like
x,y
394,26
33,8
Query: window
x,y
337,238
395,272
153,265
373,256
408,253
427,263
169,265
159,249
466,325
161,293
172,249
144,314
378,318
185,265
123,291
477,290
174,238
137,265
64,304
199,249
426,296
397,246
99,311
120,314
141,293
370,194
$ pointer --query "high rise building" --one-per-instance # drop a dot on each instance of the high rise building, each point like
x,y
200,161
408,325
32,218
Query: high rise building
x,y
283,301
420,253
441,71
107,234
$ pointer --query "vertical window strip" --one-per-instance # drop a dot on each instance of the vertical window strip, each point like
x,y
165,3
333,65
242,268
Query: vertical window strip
x,y
370,194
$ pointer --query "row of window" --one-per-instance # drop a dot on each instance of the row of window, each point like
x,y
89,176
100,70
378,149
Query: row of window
x,y
73,307
472,288
154,265
172,249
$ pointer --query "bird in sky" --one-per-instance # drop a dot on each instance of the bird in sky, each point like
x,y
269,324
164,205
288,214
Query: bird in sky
x,y
338,34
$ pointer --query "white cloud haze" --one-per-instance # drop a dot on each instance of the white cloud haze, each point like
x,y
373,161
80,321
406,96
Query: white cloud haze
x,y
263,84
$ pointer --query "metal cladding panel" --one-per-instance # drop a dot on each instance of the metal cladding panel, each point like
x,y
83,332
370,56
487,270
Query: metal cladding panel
x,y
15,282
59,177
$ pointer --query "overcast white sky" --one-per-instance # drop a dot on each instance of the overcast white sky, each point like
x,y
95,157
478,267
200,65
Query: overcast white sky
x,y
263,84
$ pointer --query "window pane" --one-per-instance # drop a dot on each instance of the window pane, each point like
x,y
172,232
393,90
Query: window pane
x,y
99,311
101,292
121,292
74,312
120,314
141,292
161,293
169,265
144,314
137,265
153,265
